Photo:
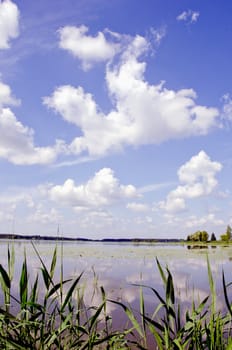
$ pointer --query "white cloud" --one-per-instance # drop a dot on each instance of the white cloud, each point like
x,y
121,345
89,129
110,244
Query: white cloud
x,y
17,145
74,105
9,23
45,216
190,16
154,187
105,45
135,47
17,141
173,204
227,107
158,34
209,219
87,48
11,200
197,178
141,113
138,207
6,97
103,189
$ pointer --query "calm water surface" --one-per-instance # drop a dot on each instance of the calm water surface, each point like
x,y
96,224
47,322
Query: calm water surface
x,y
118,267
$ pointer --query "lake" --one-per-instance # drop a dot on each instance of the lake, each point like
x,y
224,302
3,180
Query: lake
x,y
120,267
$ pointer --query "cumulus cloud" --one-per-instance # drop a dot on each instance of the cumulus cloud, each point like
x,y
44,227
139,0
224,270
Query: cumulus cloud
x,y
88,49
197,178
16,142
209,219
17,145
9,23
103,189
141,114
188,16
6,97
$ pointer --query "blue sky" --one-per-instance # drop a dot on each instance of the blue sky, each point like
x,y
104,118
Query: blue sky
x,y
115,117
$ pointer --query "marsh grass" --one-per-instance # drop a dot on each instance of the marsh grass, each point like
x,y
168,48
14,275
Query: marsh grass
x,y
52,314
58,320
168,327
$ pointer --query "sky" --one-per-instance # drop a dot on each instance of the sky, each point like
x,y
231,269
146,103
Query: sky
x,y
115,117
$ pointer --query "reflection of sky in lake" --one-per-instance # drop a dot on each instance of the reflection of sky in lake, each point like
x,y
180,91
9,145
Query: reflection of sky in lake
x,y
118,266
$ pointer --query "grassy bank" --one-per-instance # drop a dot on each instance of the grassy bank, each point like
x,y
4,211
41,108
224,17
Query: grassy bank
x,y
50,313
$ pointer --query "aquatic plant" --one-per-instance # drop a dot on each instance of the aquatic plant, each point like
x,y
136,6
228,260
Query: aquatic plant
x,y
54,318
201,327
50,313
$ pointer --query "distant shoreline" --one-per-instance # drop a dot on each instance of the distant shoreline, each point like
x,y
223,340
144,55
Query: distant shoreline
x,y
80,239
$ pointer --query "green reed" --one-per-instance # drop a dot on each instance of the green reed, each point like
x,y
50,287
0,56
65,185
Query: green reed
x,y
50,313
56,318
170,328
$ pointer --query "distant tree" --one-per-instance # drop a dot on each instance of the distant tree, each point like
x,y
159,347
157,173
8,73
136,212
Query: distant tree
x,y
199,236
224,238
204,236
213,237
195,236
228,232
227,235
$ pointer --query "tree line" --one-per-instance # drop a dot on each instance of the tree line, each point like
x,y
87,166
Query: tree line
x,y
203,236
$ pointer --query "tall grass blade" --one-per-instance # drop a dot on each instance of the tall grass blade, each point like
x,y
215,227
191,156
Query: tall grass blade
x,y
57,287
13,345
11,261
6,314
142,310
225,294
46,276
212,286
34,290
6,285
53,263
94,318
64,325
130,315
170,288
162,274
23,284
154,323
5,278
70,292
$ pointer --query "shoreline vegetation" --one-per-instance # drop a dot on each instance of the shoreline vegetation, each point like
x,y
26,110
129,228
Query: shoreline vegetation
x,y
14,236
58,238
50,313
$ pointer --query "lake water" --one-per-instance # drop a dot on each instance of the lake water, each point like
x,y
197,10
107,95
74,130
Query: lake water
x,y
118,267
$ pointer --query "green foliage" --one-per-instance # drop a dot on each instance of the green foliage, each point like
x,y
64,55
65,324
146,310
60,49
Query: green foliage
x,y
48,320
200,328
228,232
213,237
225,237
199,236
59,319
